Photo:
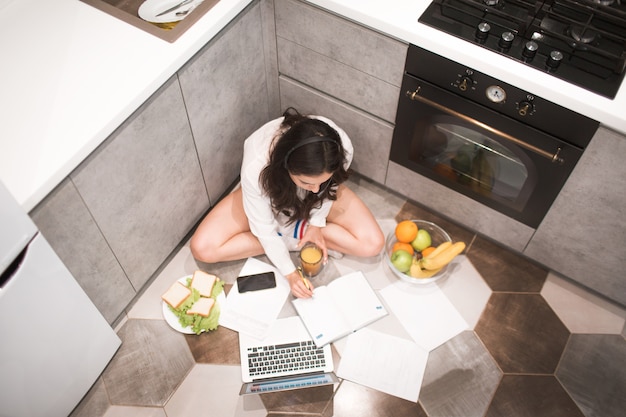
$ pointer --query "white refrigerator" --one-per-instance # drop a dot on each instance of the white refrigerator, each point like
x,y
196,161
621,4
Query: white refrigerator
x,y
54,343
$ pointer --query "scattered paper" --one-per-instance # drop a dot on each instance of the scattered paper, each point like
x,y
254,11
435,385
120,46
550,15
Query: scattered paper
x,y
425,312
383,362
254,312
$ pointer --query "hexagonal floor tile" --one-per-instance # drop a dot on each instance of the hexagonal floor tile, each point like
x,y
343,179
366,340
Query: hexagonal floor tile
x,y
504,270
220,346
150,364
460,378
354,400
580,310
210,390
532,396
522,333
593,371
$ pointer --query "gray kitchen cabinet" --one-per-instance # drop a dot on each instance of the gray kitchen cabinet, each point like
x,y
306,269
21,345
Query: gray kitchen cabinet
x,y
143,185
123,210
226,95
583,234
65,221
126,207
370,136
347,72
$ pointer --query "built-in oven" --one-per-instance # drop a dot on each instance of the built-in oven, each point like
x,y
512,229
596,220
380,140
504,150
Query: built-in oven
x,y
493,142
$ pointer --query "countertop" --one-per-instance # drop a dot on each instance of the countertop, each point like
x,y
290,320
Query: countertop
x,y
72,74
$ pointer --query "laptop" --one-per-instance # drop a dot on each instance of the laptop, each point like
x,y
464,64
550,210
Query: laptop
x,y
286,359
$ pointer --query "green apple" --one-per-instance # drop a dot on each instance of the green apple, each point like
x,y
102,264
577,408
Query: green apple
x,y
401,260
422,240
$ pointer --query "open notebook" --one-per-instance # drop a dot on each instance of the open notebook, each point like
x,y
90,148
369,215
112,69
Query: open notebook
x,y
342,307
284,360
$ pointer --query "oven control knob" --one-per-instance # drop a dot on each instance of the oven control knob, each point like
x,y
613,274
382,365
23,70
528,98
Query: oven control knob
x,y
530,49
506,39
525,108
465,83
554,59
482,31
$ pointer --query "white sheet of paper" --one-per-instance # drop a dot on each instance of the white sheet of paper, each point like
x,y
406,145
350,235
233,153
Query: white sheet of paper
x,y
425,312
383,362
254,312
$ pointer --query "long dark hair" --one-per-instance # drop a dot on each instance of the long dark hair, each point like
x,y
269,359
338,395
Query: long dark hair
x,y
295,152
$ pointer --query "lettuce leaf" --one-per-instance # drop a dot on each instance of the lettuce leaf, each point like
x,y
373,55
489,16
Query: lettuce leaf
x,y
198,323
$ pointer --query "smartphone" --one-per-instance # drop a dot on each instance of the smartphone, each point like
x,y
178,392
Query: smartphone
x,y
256,282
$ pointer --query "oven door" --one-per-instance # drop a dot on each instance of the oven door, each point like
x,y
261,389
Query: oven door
x,y
498,161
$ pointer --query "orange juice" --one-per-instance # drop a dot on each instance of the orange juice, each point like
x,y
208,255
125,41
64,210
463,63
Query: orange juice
x,y
311,259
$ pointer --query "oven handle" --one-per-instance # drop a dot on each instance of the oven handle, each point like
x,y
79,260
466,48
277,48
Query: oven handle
x,y
555,158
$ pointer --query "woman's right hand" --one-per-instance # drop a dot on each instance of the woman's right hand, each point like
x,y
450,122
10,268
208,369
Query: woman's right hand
x,y
298,287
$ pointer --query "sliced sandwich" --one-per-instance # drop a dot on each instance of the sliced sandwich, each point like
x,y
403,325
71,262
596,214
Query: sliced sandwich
x,y
202,307
203,282
176,295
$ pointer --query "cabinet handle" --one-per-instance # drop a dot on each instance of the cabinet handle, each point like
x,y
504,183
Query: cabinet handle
x,y
553,157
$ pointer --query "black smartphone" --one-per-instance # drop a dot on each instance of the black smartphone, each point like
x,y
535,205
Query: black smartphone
x,y
256,282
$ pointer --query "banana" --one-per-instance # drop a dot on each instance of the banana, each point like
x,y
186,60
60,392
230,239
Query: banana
x,y
416,271
443,258
440,248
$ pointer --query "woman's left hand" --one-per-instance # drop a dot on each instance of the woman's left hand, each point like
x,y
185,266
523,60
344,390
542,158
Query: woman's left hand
x,y
314,234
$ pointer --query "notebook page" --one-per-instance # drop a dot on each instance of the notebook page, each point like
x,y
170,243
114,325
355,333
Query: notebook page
x,y
357,301
321,317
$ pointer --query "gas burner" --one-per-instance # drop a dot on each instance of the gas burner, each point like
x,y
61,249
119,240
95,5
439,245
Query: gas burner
x,y
582,34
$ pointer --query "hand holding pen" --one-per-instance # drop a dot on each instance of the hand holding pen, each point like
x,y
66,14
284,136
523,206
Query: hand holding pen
x,y
305,281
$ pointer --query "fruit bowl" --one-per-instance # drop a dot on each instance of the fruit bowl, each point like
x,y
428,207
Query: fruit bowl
x,y
438,236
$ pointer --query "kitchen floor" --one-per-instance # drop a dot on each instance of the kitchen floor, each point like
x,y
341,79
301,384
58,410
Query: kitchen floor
x,y
535,345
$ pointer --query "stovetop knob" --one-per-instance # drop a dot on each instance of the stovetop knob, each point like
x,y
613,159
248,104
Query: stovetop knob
x,y
530,49
482,31
506,39
554,60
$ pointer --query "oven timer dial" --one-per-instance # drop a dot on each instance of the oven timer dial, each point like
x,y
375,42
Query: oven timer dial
x,y
496,94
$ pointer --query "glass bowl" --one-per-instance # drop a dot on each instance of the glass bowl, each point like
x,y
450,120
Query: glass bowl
x,y
438,236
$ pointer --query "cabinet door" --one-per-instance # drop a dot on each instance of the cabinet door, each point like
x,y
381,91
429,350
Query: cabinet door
x,y
339,58
370,136
143,185
65,221
226,95
583,234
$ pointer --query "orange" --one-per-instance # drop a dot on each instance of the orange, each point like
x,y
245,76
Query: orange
x,y
404,246
406,231
428,250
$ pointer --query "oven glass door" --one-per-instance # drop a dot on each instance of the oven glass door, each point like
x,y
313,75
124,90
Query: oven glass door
x,y
487,156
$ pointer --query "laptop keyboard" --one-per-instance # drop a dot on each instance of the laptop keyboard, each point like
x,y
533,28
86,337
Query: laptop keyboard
x,y
277,359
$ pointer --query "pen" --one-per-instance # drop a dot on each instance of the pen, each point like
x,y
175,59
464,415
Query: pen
x,y
306,283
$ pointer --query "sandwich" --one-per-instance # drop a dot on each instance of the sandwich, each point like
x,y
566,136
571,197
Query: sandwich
x,y
203,282
202,307
176,295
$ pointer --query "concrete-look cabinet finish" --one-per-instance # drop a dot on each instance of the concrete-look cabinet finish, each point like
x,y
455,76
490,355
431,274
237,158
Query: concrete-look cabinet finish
x,y
129,204
336,68
226,94
121,213
71,230
584,233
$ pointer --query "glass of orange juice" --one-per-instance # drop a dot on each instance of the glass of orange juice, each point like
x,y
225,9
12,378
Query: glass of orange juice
x,y
311,259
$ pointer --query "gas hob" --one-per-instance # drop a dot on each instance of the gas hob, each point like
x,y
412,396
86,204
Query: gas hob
x,y
580,41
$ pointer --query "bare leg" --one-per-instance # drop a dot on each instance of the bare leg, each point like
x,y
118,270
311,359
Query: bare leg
x,y
351,227
224,234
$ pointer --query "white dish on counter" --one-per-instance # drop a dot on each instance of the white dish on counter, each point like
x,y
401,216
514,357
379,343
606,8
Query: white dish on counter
x,y
149,10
